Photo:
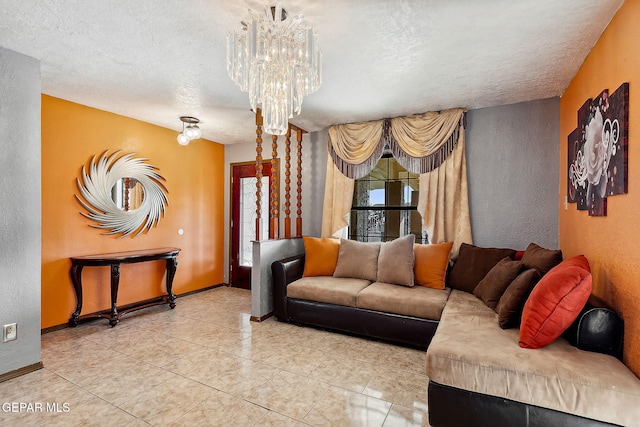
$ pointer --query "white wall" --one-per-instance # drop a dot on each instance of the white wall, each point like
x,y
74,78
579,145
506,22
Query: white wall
x,y
20,210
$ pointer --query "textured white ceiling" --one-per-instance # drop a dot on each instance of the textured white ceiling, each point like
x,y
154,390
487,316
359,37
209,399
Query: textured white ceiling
x,y
156,60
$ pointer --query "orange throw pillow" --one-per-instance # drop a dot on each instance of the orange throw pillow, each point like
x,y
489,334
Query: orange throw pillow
x,y
321,256
431,263
555,302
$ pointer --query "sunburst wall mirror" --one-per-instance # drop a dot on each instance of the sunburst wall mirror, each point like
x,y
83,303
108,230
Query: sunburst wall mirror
x,y
122,194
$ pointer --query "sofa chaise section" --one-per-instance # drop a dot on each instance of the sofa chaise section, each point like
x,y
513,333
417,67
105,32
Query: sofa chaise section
x,y
474,365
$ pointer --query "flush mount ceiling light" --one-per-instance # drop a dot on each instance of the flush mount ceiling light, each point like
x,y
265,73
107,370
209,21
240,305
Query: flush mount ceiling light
x,y
276,60
190,130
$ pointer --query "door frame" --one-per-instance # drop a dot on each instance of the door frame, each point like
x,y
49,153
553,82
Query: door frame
x,y
231,203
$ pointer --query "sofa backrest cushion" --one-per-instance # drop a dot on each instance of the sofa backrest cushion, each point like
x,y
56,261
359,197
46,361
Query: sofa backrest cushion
x,y
431,264
540,258
510,306
497,280
473,264
321,256
358,260
555,302
395,261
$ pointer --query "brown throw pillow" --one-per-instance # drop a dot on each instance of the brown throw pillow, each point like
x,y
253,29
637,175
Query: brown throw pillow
x,y
358,260
512,301
540,258
395,262
473,264
497,280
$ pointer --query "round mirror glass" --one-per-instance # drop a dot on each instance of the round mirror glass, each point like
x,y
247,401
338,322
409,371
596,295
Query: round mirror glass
x,y
127,194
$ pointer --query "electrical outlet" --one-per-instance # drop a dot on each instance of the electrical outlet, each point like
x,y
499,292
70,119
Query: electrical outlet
x,y
10,332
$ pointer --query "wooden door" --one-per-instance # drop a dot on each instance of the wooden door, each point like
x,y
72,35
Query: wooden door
x,y
243,219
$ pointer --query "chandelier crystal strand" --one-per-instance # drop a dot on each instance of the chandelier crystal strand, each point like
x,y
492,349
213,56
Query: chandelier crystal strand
x,y
276,60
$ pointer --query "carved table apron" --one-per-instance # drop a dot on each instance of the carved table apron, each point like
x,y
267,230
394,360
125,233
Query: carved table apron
x,y
115,260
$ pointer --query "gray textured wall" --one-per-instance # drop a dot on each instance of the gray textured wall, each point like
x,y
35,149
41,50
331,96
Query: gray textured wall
x,y
512,168
264,254
20,207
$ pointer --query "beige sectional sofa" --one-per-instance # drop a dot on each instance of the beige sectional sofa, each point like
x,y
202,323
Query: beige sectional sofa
x,y
479,374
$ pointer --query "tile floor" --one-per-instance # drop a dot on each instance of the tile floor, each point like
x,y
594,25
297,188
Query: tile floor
x,y
205,363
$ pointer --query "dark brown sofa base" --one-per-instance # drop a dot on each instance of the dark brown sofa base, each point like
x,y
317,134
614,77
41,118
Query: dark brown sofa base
x,y
454,407
396,328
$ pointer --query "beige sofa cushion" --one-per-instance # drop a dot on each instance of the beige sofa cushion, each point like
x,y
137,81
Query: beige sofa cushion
x,y
470,351
333,290
417,301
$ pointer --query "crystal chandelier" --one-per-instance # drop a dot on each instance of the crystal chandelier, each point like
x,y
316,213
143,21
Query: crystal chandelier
x,y
277,61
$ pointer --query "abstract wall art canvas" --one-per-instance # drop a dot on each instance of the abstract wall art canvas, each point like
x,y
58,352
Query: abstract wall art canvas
x,y
597,151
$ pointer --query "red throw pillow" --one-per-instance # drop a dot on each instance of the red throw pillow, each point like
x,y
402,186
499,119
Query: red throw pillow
x,y
555,302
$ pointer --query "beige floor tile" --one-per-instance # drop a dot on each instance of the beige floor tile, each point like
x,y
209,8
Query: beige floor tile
x,y
200,362
255,348
223,371
209,335
117,337
406,417
94,412
127,382
271,326
312,337
288,394
165,403
169,323
297,359
274,419
400,387
232,320
161,350
341,407
42,387
86,367
205,363
80,352
222,409
344,372
399,358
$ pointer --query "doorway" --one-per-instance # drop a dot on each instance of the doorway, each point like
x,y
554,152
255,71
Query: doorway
x,y
243,218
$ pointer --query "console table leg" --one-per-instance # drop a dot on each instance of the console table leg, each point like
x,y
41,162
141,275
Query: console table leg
x,y
115,281
76,279
172,265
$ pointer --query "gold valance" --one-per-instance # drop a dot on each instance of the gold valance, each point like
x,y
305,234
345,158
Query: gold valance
x,y
420,143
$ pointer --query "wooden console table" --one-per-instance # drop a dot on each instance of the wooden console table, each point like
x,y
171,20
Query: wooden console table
x,y
115,260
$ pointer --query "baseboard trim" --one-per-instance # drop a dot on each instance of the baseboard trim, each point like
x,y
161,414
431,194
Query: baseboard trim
x,y
19,372
66,325
197,291
261,318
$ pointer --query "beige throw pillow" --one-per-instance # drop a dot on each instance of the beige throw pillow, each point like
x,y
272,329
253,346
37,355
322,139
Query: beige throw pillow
x,y
358,260
395,262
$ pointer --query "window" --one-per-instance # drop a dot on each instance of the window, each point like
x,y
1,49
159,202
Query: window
x,y
385,204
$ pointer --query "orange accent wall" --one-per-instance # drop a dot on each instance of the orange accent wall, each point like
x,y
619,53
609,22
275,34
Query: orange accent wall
x,y
71,135
610,243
